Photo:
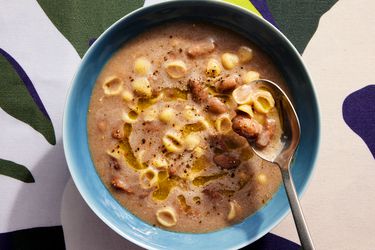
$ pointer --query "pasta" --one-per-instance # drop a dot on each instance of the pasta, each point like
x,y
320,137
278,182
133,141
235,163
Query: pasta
x,y
166,217
127,96
113,86
160,163
176,69
245,108
250,76
172,142
229,60
189,113
263,101
232,211
223,124
167,115
213,68
242,94
142,66
245,54
148,178
201,125
141,87
130,117
191,141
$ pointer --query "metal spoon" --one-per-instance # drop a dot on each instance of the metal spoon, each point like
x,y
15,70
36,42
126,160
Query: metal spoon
x,y
290,139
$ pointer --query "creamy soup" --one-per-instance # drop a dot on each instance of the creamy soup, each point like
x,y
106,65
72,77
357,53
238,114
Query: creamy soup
x,y
167,124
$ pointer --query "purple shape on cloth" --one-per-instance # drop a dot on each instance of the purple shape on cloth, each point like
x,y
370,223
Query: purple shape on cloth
x,y
91,41
26,80
358,110
262,7
272,242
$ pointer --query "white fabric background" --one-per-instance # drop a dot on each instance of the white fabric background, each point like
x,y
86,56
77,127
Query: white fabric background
x,y
50,61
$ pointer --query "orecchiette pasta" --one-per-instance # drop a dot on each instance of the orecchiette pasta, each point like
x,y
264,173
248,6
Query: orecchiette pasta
x,y
175,69
213,68
189,113
263,101
201,125
166,216
167,115
112,86
191,141
127,96
130,117
245,54
223,124
160,163
173,142
229,60
242,94
148,178
250,76
142,87
142,66
232,210
246,109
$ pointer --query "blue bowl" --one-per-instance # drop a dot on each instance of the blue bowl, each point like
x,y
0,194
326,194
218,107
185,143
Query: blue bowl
x,y
75,120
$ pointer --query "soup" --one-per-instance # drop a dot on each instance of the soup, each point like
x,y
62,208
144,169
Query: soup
x,y
164,126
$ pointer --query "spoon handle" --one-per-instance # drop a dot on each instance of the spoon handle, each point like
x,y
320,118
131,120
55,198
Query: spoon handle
x,y
299,220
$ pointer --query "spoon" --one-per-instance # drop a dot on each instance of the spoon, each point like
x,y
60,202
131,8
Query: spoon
x,y
290,139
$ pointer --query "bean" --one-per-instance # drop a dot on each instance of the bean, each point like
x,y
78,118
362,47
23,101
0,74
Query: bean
x,y
201,48
247,127
228,84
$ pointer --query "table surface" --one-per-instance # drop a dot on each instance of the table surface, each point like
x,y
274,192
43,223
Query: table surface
x,y
41,45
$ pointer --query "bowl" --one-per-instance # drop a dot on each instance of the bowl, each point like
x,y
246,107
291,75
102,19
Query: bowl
x,y
75,139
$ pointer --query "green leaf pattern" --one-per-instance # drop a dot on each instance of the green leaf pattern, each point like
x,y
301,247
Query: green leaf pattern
x,y
299,19
14,170
80,21
17,102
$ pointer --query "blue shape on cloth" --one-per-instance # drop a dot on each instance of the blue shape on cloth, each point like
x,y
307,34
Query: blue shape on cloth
x,y
358,110
33,238
53,238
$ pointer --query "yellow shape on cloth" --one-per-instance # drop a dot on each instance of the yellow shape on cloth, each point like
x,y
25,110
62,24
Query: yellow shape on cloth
x,y
245,4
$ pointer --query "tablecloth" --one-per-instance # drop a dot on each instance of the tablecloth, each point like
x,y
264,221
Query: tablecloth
x,y
41,45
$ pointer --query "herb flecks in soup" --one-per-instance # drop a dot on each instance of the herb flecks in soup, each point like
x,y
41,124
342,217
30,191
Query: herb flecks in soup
x,y
165,121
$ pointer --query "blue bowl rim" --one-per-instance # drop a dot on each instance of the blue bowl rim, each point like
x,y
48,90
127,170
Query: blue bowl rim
x,y
140,10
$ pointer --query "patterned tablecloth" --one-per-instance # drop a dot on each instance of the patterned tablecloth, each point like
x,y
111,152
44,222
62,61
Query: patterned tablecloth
x,y
41,45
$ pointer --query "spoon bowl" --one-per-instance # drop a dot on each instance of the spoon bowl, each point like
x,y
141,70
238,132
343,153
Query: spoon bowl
x,y
291,131
290,138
